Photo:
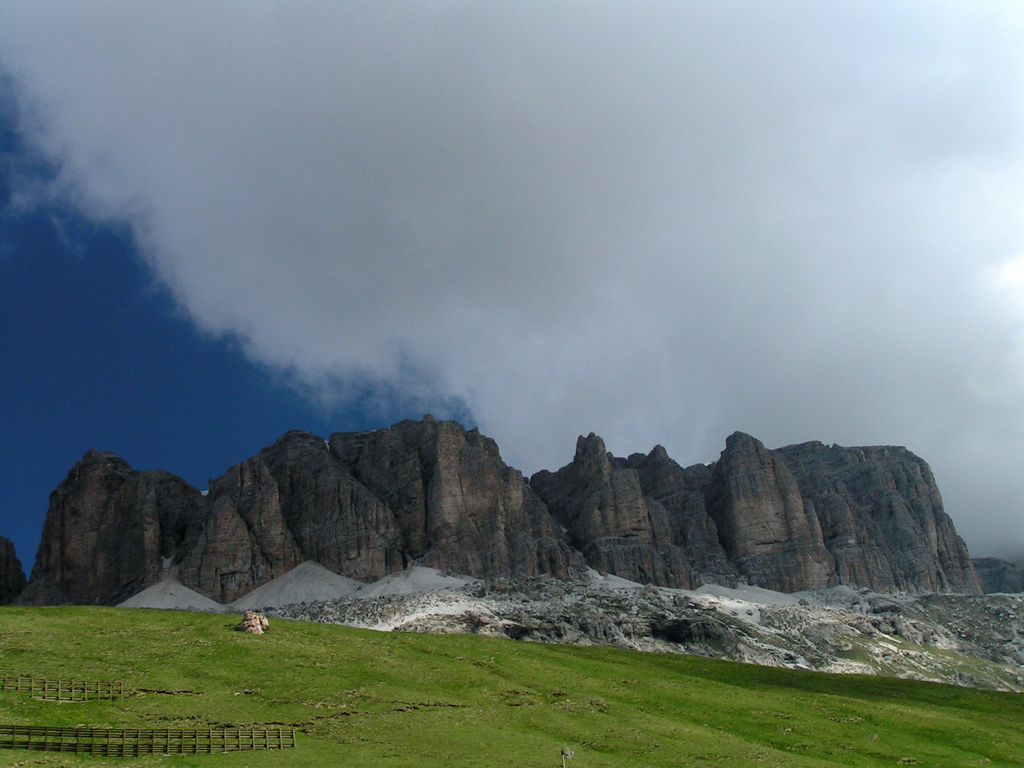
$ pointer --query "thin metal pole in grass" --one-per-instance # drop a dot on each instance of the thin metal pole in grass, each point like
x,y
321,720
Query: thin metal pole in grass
x,y
566,754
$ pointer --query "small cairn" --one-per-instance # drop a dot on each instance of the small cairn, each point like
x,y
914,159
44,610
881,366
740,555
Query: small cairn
x,y
253,622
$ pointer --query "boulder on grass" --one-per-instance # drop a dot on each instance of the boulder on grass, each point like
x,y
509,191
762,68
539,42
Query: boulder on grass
x,y
253,622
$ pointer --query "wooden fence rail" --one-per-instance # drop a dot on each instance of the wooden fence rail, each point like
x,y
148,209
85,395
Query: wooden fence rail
x,y
64,690
132,742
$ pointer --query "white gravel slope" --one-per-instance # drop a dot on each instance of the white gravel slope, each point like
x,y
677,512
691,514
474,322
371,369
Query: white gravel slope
x,y
171,594
306,582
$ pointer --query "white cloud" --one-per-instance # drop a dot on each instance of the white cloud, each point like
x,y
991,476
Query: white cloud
x,y
660,222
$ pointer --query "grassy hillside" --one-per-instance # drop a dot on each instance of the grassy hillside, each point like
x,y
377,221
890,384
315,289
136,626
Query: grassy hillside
x,y
362,698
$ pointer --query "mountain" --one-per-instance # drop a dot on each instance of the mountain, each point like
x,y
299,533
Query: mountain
x,y
769,533
12,577
610,520
999,575
371,503
433,494
881,518
111,531
801,517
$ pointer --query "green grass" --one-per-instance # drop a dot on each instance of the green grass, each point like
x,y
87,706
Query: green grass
x,y
361,698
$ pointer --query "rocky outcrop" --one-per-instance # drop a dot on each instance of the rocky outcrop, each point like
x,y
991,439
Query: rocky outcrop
x,y
800,517
254,623
290,503
999,575
112,531
370,503
618,529
765,529
680,491
431,493
964,640
12,577
333,518
882,518
457,506
244,541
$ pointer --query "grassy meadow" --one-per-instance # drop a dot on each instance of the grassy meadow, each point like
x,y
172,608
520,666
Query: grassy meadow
x,y
361,698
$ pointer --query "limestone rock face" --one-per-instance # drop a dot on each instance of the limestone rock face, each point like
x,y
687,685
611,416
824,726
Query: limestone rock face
x,y
764,527
800,517
109,532
244,542
457,506
290,503
12,577
370,503
335,520
680,492
882,518
619,530
999,575
430,493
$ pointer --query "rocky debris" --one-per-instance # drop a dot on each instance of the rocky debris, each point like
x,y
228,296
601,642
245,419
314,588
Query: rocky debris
x,y
430,493
306,581
254,623
12,576
171,594
967,640
111,531
999,575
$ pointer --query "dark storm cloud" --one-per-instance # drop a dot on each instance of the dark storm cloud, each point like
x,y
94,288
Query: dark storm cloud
x,y
657,221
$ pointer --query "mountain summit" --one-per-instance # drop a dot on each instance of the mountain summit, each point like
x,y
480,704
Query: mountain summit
x,y
431,493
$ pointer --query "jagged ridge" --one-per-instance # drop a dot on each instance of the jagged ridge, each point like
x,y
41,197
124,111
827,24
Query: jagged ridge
x,y
432,493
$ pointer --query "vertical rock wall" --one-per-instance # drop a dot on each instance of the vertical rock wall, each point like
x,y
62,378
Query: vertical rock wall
x,y
111,531
12,577
431,493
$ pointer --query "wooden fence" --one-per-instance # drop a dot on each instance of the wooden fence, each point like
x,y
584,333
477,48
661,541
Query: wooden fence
x,y
64,690
132,742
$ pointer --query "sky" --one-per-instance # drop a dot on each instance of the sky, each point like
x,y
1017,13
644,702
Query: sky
x,y
658,221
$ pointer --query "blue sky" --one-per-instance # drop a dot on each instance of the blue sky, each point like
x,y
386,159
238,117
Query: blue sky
x,y
96,355
660,222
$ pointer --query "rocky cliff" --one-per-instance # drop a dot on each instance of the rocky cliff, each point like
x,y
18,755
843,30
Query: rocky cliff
x,y
111,531
370,503
881,518
769,534
432,493
999,575
800,517
609,519
12,577
456,504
